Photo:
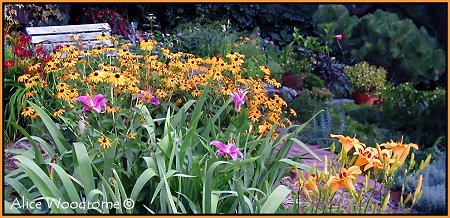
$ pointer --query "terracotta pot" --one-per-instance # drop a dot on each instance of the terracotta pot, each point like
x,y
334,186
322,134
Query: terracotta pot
x,y
363,98
293,81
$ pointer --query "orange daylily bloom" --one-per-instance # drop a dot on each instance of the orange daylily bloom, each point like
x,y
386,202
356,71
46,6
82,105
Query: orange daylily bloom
x,y
368,158
399,150
345,179
311,184
348,143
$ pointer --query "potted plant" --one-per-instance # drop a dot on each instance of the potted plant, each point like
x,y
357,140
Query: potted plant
x,y
367,81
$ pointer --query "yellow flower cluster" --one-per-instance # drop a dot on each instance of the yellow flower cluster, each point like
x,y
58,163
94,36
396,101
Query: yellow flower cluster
x,y
169,75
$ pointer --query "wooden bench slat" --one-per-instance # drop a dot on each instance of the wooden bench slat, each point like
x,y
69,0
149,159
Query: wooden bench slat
x,y
87,44
61,38
69,29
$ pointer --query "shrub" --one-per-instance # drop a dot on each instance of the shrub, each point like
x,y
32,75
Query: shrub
x,y
383,39
275,21
419,114
119,25
366,78
204,40
37,14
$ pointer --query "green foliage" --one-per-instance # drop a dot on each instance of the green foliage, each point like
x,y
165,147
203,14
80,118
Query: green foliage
x,y
204,40
273,20
419,114
383,39
312,80
180,170
338,16
366,78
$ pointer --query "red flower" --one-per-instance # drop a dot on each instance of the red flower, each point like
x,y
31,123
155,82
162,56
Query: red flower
x,y
58,47
46,58
9,64
19,51
27,70
24,40
40,51
339,37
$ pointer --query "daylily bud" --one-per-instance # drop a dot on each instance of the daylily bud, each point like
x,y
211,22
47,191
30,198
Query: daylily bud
x,y
379,153
418,188
332,148
385,202
411,162
313,185
306,193
425,163
374,206
404,154
359,195
325,165
311,171
407,199
366,181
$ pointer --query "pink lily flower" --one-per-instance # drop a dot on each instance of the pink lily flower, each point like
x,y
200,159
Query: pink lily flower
x,y
98,103
149,95
339,37
239,99
229,150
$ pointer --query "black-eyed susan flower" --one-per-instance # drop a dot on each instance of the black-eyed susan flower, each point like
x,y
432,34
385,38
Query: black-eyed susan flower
x,y
30,93
28,111
265,70
23,78
96,76
104,142
59,112
196,93
116,79
132,135
34,115
292,111
147,45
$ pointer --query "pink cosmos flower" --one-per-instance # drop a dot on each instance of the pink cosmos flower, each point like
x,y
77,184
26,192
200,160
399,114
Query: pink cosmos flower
x,y
149,96
229,150
339,37
98,103
239,99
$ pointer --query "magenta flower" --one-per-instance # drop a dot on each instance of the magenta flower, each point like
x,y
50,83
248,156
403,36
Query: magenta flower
x,y
239,99
339,37
148,95
229,150
98,103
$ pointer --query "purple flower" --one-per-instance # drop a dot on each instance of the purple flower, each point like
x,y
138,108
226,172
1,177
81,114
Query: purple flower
x,y
148,95
98,103
229,150
239,99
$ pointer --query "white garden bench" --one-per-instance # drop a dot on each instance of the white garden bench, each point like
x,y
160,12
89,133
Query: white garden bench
x,y
51,36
